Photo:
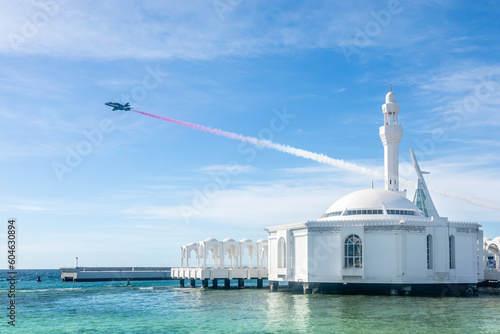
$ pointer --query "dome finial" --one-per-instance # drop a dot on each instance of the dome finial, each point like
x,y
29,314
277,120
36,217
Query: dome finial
x,y
390,87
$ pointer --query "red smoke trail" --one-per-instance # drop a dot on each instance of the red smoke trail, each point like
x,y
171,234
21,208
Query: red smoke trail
x,y
279,147
207,129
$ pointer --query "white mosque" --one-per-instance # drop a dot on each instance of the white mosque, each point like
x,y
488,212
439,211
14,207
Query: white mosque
x,y
369,241
378,241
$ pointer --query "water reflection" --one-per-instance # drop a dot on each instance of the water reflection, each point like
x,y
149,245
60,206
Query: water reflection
x,y
302,312
377,314
278,304
286,310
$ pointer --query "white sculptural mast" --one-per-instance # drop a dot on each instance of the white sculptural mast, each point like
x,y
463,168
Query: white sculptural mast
x,y
391,133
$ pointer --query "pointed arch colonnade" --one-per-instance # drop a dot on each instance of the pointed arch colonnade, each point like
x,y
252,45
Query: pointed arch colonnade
x,y
227,259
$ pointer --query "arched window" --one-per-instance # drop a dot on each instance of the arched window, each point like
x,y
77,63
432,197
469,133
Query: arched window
x,y
452,251
429,251
281,253
353,253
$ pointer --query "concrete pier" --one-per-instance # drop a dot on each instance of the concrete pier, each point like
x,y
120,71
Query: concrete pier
x,y
273,286
100,274
207,274
192,283
226,274
218,273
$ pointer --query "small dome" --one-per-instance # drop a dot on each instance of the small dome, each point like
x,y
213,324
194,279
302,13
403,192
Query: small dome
x,y
210,239
390,97
245,240
228,240
261,240
191,244
372,202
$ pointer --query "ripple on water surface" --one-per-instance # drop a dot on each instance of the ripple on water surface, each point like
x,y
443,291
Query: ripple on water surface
x,y
161,306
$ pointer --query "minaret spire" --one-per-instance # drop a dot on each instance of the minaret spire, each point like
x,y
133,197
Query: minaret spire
x,y
391,133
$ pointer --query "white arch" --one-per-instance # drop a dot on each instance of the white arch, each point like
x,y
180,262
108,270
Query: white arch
x,y
214,247
189,248
232,250
251,247
262,253
227,253
492,246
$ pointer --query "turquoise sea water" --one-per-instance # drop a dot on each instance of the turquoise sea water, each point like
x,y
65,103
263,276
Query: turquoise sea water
x,y
53,306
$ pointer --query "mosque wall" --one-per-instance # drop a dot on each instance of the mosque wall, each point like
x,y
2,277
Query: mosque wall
x,y
380,256
325,260
416,257
318,255
300,255
466,257
440,249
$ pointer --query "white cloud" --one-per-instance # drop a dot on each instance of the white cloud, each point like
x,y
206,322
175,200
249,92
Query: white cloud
x,y
305,193
231,168
464,177
31,208
248,206
193,30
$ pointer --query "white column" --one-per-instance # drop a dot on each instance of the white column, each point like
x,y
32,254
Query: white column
x,y
182,257
198,256
242,250
259,265
205,256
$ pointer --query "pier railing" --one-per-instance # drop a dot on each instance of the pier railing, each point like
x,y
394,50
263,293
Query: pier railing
x,y
218,273
115,268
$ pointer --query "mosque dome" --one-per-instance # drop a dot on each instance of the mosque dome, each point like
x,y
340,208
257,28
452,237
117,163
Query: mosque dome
x,y
210,239
390,97
373,202
246,240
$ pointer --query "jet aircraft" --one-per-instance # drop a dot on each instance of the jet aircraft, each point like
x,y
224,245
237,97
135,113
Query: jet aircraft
x,y
118,106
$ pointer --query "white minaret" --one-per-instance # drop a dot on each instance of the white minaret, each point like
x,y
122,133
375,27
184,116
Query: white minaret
x,y
391,133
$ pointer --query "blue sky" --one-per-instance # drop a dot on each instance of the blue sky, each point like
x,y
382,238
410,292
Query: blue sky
x,y
143,187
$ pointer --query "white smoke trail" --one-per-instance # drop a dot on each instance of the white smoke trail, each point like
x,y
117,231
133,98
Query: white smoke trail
x,y
279,147
321,158
467,198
